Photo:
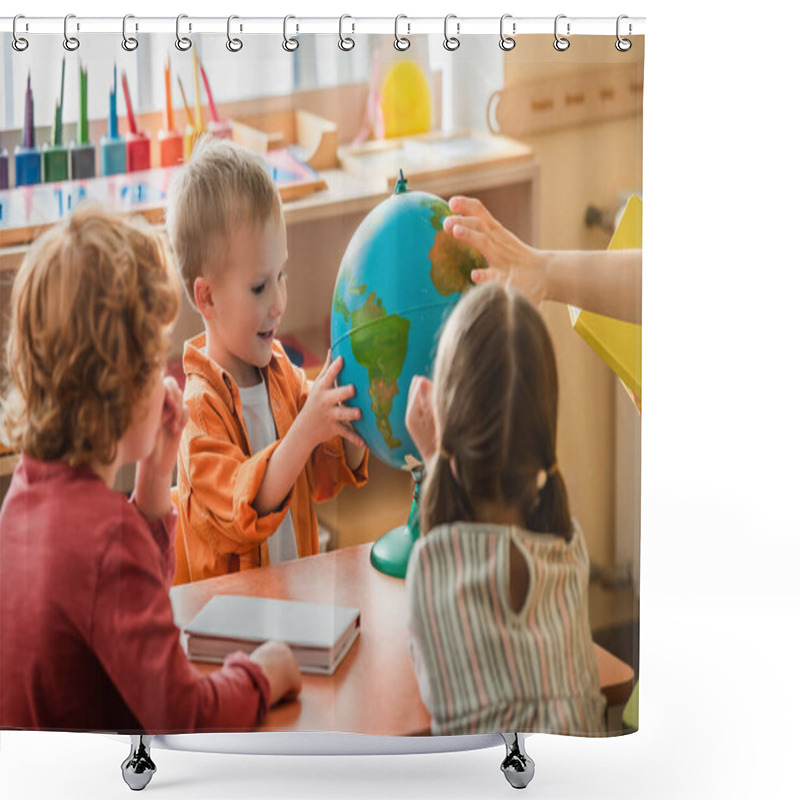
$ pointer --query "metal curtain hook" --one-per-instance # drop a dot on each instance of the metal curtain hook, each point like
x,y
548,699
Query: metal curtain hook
x,y
19,43
183,43
129,43
70,42
623,45
506,42
451,42
400,42
233,44
345,42
561,44
290,44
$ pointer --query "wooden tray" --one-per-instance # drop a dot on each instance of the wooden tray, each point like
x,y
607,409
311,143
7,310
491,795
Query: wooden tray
x,y
431,155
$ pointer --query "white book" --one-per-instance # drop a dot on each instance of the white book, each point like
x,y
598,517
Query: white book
x,y
319,635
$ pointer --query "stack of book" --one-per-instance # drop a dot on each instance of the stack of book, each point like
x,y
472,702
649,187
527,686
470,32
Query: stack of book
x,y
319,635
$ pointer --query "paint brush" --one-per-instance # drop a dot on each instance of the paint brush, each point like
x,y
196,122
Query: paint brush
x,y
27,157
112,128
81,152
211,107
83,120
185,103
169,121
113,157
170,142
198,119
58,130
128,105
28,132
54,133
55,157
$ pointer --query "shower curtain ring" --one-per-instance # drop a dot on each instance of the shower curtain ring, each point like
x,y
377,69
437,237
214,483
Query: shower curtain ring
x,y
129,43
233,44
345,42
451,42
623,45
71,43
183,43
561,44
401,43
507,42
19,43
290,44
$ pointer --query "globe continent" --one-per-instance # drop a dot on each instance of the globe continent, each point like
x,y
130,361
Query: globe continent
x,y
400,278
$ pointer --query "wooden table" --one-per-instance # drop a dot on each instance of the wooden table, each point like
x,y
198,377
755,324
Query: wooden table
x,y
374,690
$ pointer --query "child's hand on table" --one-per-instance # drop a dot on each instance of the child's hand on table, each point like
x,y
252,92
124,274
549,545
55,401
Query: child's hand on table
x,y
420,422
325,413
154,471
280,666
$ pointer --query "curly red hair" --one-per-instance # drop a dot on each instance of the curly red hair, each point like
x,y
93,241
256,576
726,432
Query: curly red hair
x,y
91,308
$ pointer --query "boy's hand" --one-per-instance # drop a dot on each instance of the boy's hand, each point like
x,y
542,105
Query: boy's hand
x,y
353,456
280,666
325,414
420,422
154,472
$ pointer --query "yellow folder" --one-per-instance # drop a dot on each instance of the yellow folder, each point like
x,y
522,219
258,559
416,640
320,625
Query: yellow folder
x,y
617,342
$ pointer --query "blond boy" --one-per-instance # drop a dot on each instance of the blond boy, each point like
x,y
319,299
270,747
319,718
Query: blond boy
x,y
261,443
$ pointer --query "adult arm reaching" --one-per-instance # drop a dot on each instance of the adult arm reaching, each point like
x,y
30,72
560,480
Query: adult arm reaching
x,y
607,282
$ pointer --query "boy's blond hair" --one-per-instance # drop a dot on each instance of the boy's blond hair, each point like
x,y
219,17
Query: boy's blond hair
x,y
221,187
90,310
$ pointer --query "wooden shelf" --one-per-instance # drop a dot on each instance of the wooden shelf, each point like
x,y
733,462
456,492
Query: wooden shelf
x,y
433,156
47,204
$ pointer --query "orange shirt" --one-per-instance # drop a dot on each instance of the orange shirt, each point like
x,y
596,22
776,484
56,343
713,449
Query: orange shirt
x,y
219,476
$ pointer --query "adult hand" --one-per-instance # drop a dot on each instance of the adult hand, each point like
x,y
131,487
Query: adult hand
x,y
280,666
508,257
420,422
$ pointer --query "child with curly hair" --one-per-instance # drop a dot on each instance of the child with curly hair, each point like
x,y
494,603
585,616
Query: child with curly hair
x,y
87,638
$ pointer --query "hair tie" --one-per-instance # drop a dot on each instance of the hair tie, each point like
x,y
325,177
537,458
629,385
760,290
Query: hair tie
x,y
543,474
444,453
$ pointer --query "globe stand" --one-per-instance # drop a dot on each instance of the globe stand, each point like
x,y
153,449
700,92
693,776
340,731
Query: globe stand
x,y
391,552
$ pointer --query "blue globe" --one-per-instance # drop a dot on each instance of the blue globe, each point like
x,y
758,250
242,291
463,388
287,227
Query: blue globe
x,y
399,279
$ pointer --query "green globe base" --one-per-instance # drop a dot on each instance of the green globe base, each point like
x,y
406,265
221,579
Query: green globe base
x,y
391,552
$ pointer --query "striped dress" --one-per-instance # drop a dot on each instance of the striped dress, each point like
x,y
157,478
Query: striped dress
x,y
481,666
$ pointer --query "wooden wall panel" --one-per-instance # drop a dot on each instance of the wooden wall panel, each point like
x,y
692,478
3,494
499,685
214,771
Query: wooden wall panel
x,y
592,163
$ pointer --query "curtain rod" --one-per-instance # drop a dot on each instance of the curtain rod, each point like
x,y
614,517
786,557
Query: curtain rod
x,y
406,25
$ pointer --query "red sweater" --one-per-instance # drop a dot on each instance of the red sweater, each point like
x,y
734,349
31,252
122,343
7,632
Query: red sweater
x,y
87,638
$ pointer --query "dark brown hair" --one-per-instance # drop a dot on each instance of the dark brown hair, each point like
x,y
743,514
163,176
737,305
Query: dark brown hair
x,y
496,399
90,310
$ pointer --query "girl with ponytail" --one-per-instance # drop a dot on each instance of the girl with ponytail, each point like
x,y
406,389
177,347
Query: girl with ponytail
x,y
498,582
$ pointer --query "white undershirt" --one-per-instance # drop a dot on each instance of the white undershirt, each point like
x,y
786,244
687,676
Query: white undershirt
x,y
260,426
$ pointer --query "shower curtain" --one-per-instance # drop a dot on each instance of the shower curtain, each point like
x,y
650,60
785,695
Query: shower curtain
x,y
545,133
